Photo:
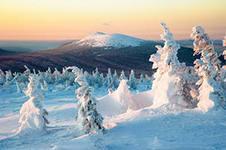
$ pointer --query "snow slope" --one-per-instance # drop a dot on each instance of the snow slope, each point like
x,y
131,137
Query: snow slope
x,y
145,128
100,39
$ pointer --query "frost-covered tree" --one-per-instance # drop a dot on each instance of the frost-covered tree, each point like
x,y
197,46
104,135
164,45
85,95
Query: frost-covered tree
x,y
168,80
115,80
27,71
97,77
132,81
44,86
141,79
18,87
122,76
88,117
109,79
223,69
68,77
57,76
210,91
8,77
32,114
2,77
48,77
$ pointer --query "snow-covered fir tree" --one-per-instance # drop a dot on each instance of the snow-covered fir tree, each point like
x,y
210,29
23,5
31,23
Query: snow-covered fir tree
x,y
141,79
2,77
210,91
48,77
168,79
115,80
32,114
57,76
88,117
109,79
98,78
18,87
8,77
27,71
223,68
132,81
122,76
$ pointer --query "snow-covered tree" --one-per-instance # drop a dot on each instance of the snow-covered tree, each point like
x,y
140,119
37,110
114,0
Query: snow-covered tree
x,y
98,80
88,117
223,69
168,79
27,71
32,114
8,77
115,80
141,79
210,91
2,77
57,76
132,81
224,41
44,86
48,77
122,76
68,77
18,87
109,79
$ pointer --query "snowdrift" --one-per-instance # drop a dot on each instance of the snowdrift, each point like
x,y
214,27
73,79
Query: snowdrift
x,y
31,119
122,100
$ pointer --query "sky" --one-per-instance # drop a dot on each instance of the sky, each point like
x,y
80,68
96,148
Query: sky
x,y
74,19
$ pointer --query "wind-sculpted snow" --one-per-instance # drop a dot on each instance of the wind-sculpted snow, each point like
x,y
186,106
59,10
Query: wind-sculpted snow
x,y
122,100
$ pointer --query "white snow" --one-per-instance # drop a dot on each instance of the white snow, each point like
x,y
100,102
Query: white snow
x,y
122,100
144,128
205,102
152,119
100,39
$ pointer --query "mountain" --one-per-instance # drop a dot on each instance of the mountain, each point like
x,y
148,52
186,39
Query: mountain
x,y
29,45
100,39
4,52
116,51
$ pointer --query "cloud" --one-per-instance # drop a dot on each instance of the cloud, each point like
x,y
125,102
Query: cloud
x,y
106,24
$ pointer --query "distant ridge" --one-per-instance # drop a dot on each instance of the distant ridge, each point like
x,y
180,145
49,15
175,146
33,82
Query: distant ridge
x,y
101,39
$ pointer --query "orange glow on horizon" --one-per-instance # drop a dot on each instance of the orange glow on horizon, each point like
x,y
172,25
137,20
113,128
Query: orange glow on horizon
x,y
74,19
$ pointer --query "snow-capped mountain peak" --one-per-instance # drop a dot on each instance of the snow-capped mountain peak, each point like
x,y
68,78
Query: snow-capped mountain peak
x,y
100,39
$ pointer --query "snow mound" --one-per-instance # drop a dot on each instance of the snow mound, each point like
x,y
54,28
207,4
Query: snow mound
x,y
31,119
122,100
100,39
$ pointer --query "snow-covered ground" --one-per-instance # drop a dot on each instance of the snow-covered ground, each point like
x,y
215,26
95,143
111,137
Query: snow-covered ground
x,y
145,128
173,114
